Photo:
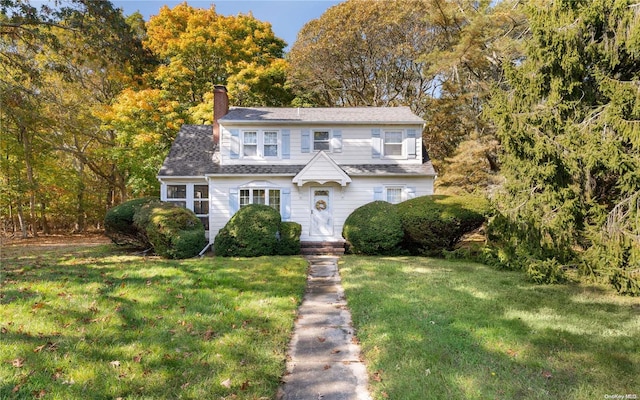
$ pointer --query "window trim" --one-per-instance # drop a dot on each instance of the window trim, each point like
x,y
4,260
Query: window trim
x,y
328,141
267,196
403,136
403,193
190,199
260,144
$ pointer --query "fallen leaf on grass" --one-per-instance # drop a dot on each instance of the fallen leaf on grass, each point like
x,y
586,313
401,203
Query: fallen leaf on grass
x,y
547,374
377,376
208,334
38,394
244,386
3,330
184,385
137,358
115,363
18,362
385,395
226,383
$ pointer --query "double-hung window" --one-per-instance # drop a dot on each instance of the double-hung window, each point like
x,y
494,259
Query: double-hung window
x,y
250,144
392,144
269,197
260,144
321,141
394,194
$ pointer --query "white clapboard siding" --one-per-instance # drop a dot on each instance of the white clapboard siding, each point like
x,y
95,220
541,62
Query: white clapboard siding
x,y
345,199
349,145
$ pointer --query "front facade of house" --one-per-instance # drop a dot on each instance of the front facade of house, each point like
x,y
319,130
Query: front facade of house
x,y
314,165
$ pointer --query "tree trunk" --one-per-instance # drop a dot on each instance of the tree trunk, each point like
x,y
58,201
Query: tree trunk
x,y
46,229
23,225
26,144
80,224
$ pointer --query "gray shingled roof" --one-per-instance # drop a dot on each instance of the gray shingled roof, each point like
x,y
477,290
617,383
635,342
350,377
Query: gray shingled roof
x,y
193,154
345,115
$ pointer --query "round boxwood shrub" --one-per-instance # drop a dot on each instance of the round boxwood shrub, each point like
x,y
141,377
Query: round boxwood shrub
x,y
173,231
119,226
373,228
252,231
289,240
435,223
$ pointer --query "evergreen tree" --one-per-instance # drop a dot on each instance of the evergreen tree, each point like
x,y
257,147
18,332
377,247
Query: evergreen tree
x,y
568,126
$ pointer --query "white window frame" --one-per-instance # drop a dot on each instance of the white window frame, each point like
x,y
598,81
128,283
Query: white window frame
x,y
251,196
189,200
403,136
328,141
403,193
260,144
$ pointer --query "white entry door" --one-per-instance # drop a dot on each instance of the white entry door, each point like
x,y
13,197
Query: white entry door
x,y
321,211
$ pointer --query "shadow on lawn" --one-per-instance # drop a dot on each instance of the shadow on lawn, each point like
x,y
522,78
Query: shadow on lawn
x,y
87,326
434,329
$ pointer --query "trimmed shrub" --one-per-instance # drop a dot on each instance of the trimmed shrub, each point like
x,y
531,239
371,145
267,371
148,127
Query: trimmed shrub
x,y
289,242
373,229
251,232
119,226
173,231
435,223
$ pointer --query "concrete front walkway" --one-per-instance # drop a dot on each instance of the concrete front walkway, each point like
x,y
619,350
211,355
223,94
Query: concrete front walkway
x,y
324,357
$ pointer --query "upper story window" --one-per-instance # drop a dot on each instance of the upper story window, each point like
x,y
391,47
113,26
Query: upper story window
x,y
260,144
392,144
321,141
271,144
250,144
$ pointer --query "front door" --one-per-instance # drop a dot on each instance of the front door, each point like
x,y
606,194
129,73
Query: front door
x,y
321,211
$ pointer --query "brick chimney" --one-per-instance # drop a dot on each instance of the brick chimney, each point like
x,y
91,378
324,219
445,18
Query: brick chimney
x,y
220,109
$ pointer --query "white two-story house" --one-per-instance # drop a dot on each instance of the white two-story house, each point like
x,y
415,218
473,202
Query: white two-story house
x,y
314,165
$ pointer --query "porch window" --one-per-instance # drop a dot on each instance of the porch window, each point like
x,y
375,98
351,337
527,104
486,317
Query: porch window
x,y
177,192
270,197
201,204
321,141
392,144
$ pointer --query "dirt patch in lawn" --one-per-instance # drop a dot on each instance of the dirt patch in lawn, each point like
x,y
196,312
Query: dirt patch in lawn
x,y
11,246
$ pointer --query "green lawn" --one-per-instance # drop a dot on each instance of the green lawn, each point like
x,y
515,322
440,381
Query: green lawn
x,y
100,323
436,329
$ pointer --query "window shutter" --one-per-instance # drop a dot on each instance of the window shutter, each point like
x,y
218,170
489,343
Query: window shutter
x,y
411,143
234,151
336,141
376,145
233,201
306,141
377,193
286,204
286,144
411,192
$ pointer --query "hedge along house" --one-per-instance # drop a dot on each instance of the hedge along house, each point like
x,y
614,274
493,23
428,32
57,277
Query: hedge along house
x,y
314,165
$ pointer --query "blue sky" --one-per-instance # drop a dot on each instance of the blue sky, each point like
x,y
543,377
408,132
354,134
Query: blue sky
x,y
287,17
